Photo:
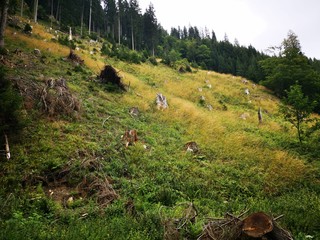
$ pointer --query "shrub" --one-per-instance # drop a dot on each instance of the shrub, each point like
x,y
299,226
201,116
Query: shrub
x,y
27,28
65,41
134,57
105,50
153,61
171,58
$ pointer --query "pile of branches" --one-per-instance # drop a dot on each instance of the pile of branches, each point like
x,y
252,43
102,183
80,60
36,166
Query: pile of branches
x,y
255,226
100,188
56,98
110,75
86,180
53,96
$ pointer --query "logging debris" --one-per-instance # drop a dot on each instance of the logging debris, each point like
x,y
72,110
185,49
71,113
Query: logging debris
x,y
110,75
53,96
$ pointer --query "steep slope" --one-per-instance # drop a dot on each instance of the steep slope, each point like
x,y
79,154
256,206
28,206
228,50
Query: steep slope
x,y
71,175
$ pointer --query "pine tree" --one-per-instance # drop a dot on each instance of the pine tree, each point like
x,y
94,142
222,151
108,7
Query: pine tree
x,y
111,12
297,109
150,28
134,12
289,68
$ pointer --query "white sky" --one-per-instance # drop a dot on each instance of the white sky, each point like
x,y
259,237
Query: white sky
x,y
261,23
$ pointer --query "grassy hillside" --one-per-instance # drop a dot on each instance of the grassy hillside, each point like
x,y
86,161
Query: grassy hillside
x,y
70,176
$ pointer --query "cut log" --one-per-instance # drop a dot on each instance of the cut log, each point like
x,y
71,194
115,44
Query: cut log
x,y
257,224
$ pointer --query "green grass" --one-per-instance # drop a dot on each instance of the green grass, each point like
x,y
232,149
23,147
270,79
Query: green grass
x,y
241,165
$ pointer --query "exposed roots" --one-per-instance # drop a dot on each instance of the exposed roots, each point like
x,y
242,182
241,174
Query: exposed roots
x,y
75,58
110,75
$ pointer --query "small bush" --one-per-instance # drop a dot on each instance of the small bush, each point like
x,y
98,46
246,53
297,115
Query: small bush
x,y
153,61
65,41
105,50
27,28
134,57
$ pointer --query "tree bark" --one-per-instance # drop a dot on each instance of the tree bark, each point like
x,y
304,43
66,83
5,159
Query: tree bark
x,y
278,233
90,17
57,12
82,13
3,21
132,36
259,225
51,16
21,9
119,28
35,10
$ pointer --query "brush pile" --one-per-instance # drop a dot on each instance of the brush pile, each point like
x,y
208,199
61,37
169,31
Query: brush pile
x,y
110,75
54,96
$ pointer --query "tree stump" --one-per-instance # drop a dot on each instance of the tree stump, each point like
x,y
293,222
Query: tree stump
x,y
260,225
257,224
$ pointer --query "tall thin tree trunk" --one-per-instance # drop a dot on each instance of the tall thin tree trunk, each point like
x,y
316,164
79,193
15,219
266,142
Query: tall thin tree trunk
x,y
113,31
51,16
90,17
82,13
57,12
105,26
132,36
60,15
3,21
21,9
119,29
35,10
51,7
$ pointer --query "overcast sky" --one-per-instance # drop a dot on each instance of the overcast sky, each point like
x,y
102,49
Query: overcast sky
x,y
261,23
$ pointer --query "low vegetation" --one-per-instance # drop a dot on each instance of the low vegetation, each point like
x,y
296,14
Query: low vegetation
x,y
70,176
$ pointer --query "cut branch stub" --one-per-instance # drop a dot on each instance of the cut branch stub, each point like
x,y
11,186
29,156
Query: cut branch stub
x,y
257,224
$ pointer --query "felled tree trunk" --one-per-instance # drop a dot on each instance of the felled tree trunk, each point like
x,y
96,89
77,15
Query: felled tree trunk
x,y
258,225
